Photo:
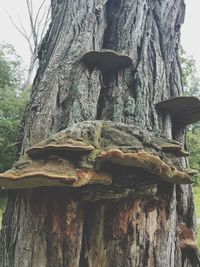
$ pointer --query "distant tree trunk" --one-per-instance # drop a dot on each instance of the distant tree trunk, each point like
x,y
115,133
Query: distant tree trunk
x,y
38,20
31,68
49,227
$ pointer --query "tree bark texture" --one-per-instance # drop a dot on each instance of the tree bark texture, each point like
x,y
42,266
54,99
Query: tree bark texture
x,y
53,227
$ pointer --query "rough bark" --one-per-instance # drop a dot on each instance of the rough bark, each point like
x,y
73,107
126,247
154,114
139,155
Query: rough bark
x,y
51,227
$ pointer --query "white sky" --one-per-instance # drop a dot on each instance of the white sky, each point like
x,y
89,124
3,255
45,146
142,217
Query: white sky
x,y
17,8
190,37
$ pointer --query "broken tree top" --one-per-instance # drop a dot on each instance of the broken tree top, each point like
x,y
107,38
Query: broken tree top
x,y
106,60
99,153
183,109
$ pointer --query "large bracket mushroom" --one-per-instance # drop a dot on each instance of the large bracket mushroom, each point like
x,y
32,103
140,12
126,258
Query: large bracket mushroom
x,y
52,171
110,157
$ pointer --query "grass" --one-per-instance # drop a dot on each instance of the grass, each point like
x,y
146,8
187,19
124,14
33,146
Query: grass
x,y
198,235
197,208
197,200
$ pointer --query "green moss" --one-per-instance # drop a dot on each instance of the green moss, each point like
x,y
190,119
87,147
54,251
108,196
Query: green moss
x,y
90,160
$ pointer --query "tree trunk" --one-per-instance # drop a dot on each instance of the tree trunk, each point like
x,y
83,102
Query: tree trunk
x,y
53,227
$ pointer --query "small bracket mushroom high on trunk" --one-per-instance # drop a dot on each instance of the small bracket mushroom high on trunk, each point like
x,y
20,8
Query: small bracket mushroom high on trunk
x,y
184,110
106,60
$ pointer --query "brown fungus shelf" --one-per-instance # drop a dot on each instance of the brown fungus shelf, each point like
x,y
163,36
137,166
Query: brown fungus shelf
x,y
53,171
146,161
60,143
184,110
113,155
174,149
106,60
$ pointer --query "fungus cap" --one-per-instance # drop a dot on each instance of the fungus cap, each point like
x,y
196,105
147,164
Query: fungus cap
x,y
50,172
183,109
146,161
29,174
175,149
53,146
191,172
106,60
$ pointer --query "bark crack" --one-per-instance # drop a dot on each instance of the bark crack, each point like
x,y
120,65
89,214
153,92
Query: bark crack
x,y
103,96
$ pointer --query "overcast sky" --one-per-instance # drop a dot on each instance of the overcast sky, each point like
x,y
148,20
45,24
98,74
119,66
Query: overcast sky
x,y
18,11
16,8
190,37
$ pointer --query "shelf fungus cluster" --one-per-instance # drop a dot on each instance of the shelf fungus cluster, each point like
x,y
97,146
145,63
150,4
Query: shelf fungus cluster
x,y
113,158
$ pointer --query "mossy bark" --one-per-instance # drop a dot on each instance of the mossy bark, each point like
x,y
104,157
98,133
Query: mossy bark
x,y
50,227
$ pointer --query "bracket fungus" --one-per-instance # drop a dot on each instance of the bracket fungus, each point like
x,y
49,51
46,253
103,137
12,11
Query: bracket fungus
x,y
60,144
50,172
106,154
184,110
106,60
174,149
191,172
148,162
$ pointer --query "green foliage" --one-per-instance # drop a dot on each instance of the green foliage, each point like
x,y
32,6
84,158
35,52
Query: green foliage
x,y
197,209
191,83
197,200
190,79
12,103
198,236
10,67
193,138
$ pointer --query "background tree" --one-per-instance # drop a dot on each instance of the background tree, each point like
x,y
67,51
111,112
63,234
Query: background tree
x,y
191,83
38,21
52,227
12,103
12,106
190,78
